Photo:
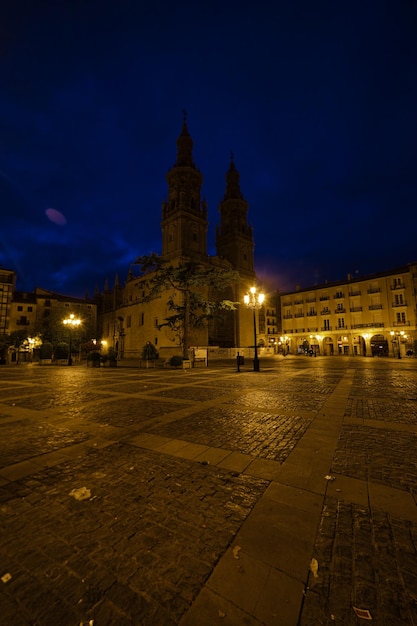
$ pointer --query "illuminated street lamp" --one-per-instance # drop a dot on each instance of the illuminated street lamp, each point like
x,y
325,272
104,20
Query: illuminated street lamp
x,y
72,322
254,301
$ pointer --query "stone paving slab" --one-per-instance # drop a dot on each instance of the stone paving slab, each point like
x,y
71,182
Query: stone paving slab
x,y
166,535
141,523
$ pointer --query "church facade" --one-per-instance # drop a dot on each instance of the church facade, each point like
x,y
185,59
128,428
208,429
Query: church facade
x,y
127,321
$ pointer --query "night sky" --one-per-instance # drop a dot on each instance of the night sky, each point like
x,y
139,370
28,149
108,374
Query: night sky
x,y
316,100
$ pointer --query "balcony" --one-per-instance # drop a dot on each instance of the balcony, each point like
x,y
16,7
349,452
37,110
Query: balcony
x,y
355,309
402,323
325,312
324,298
310,299
311,313
404,303
355,293
287,317
398,286
337,311
22,322
371,325
326,328
374,290
299,315
339,296
298,301
373,307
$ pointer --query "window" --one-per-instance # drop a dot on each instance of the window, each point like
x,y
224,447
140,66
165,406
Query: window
x,y
341,322
401,318
30,309
20,308
326,324
399,299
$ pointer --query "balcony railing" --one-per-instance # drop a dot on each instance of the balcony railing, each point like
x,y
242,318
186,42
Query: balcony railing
x,y
299,315
324,298
339,296
326,328
404,303
325,312
355,293
311,313
340,310
402,323
355,309
287,317
371,325
398,286
374,290
373,307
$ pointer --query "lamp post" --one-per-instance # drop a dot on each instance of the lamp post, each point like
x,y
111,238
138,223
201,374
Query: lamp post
x,y
72,322
254,301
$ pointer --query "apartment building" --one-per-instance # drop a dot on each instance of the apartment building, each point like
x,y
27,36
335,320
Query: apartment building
x,y
373,315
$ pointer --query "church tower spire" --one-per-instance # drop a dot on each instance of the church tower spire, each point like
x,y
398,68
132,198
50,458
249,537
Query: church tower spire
x,y
184,215
234,237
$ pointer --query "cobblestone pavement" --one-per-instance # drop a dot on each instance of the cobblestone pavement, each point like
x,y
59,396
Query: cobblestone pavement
x,y
124,492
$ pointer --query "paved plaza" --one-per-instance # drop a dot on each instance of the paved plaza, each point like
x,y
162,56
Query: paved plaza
x,y
163,497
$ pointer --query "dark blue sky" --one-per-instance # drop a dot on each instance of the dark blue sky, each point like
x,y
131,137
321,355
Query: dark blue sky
x,y
317,101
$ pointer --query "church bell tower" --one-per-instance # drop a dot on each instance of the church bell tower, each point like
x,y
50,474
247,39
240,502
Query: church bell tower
x,y
234,237
184,216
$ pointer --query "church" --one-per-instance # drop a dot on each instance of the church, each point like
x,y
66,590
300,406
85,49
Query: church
x,y
127,322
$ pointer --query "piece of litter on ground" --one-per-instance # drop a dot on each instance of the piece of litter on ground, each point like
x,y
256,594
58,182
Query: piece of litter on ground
x,y
236,551
80,494
314,567
363,613
328,477
6,578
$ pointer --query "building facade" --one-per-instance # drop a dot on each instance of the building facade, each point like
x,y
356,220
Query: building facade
x,y
373,315
7,288
37,312
127,322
